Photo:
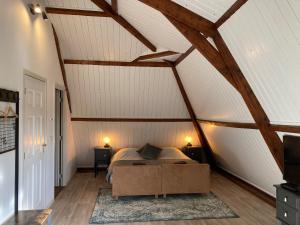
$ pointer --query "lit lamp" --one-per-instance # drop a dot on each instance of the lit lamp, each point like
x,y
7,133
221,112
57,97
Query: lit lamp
x,y
35,9
188,139
106,142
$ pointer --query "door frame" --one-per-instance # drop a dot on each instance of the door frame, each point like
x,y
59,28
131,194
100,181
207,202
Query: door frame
x,y
21,155
61,180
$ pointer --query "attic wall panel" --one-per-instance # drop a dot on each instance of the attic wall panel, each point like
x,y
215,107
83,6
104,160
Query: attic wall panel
x,y
127,134
124,92
244,153
264,38
211,10
153,25
95,38
212,97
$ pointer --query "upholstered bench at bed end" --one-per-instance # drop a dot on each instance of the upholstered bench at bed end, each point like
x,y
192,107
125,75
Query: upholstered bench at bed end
x,y
160,179
130,180
185,178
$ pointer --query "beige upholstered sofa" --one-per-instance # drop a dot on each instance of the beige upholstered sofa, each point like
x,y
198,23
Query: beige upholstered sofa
x,y
160,179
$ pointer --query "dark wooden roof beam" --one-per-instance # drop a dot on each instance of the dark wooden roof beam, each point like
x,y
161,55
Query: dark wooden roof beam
x,y
114,5
102,4
235,7
183,15
75,12
116,63
204,142
229,124
159,120
62,67
155,55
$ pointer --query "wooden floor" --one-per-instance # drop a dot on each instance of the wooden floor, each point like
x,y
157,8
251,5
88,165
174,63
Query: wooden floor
x,y
75,203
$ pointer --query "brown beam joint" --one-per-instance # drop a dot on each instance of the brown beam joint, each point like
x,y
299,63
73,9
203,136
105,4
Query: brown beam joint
x,y
181,14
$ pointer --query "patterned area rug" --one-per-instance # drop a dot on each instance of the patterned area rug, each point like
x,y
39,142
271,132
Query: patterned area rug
x,y
147,208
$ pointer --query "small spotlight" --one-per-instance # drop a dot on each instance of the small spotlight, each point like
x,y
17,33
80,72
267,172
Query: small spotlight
x,y
35,9
45,17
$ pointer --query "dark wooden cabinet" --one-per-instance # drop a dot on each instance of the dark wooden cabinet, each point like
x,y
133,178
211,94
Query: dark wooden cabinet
x,y
287,206
102,158
196,153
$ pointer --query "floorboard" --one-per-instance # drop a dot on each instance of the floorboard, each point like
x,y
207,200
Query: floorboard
x,y
75,203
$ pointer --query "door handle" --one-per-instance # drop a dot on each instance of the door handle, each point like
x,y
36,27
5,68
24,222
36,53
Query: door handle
x,y
44,145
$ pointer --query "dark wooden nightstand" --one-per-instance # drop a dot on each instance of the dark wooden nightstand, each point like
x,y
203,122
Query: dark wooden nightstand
x,y
102,158
287,206
196,153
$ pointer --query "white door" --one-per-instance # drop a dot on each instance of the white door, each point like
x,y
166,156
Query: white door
x,y
34,170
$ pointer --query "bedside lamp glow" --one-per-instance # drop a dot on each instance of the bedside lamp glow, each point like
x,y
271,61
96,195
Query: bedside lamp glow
x,y
188,139
106,142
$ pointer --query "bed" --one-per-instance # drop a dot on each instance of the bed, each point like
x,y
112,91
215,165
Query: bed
x,y
172,173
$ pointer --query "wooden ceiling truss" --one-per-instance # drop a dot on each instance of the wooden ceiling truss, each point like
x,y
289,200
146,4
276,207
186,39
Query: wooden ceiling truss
x,y
196,29
224,62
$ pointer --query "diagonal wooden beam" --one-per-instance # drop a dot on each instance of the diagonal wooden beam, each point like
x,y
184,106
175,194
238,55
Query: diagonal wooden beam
x,y
229,124
184,55
62,67
114,5
181,14
116,63
76,12
225,63
235,7
155,55
124,23
270,136
190,109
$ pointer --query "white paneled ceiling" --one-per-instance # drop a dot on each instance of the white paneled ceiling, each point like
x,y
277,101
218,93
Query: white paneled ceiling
x,y
267,48
212,97
72,4
153,25
209,9
95,38
124,92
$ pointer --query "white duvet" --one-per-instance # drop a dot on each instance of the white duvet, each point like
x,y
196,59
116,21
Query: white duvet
x,y
131,154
